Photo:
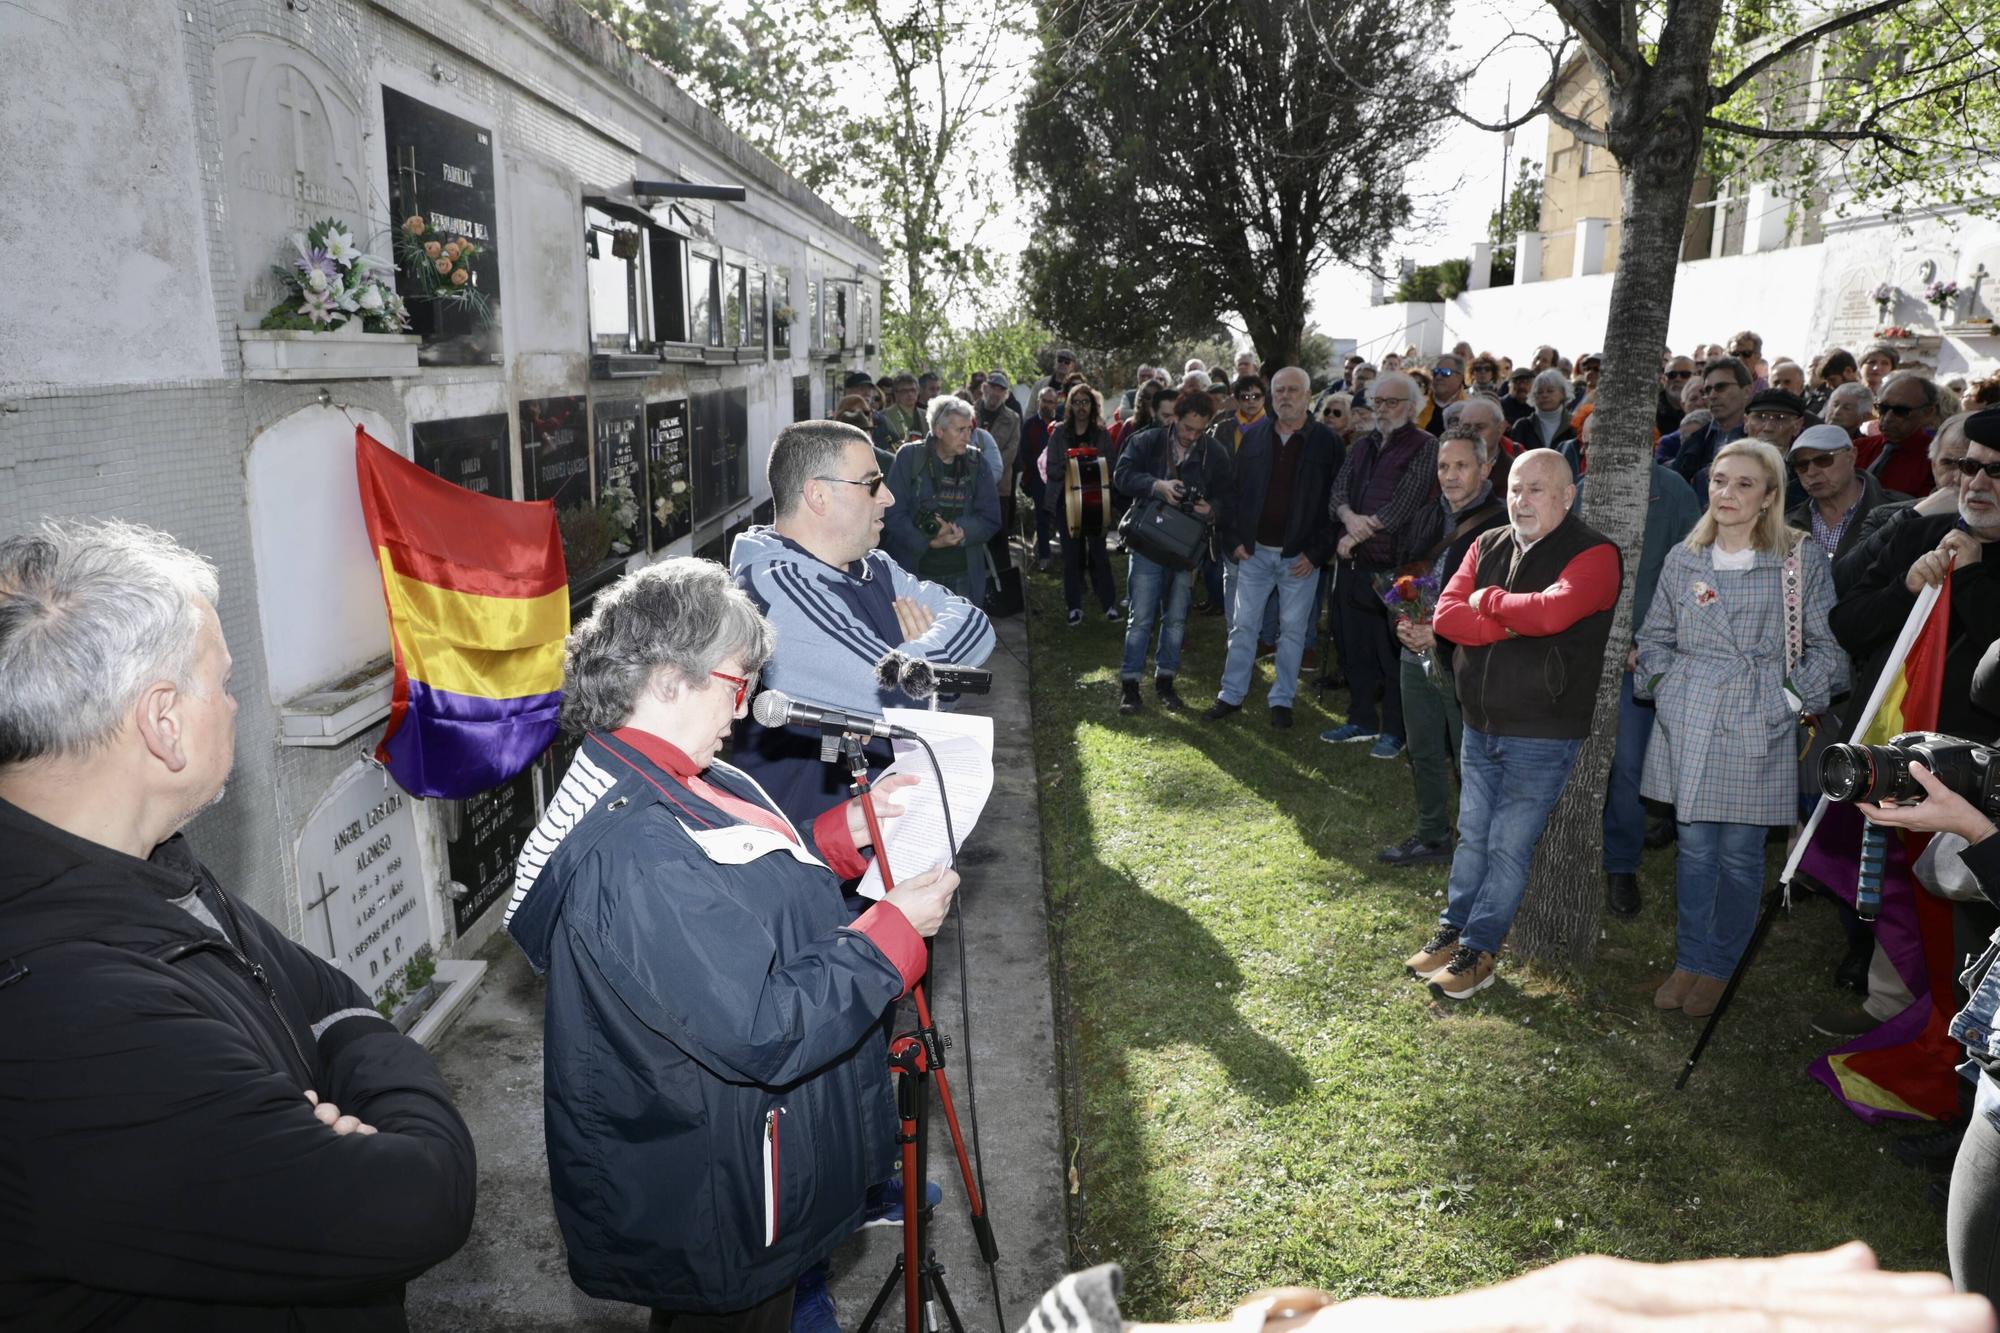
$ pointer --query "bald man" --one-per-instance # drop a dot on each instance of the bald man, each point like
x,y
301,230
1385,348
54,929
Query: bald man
x,y
1530,610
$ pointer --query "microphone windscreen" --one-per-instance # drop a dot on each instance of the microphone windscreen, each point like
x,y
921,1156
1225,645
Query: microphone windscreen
x,y
770,708
919,678
889,671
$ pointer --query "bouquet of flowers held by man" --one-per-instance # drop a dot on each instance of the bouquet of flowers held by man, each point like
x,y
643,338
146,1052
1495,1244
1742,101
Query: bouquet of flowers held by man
x,y
1412,594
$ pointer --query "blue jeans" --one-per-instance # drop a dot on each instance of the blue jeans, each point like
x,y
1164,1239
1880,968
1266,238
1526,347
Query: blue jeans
x,y
1154,592
1508,785
1255,579
1624,812
1718,878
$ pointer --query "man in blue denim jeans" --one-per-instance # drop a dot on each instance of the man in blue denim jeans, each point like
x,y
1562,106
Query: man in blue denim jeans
x,y
1530,610
1166,460
1279,535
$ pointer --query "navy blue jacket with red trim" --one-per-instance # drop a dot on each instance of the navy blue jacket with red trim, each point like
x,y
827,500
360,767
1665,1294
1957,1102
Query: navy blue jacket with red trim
x,y
715,1076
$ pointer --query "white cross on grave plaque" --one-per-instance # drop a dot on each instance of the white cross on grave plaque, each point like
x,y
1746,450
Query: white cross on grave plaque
x,y
361,885
291,145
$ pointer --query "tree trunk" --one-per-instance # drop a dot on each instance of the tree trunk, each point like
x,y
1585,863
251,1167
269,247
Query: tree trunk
x,y
1655,134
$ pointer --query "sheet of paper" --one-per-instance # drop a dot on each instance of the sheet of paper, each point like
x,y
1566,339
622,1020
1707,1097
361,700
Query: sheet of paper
x,y
916,839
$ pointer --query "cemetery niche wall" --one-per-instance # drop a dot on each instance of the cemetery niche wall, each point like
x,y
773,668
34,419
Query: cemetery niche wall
x,y
494,124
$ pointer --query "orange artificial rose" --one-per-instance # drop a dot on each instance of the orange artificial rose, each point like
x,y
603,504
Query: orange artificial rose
x,y
414,225
432,248
452,248
442,265
458,277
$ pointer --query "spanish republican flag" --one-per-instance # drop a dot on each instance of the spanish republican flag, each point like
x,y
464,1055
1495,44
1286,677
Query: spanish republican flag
x,y
1906,1069
478,609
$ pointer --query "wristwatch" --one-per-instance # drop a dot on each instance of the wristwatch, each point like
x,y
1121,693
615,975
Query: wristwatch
x,y
1279,1310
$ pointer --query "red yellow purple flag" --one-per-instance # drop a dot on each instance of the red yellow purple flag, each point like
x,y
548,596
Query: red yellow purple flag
x,y
478,602
1906,1068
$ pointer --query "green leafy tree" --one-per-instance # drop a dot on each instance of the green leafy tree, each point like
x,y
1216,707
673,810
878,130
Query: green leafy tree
x,y
763,67
939,70
901,158
1522,212
1189,161
1435,282
1893,100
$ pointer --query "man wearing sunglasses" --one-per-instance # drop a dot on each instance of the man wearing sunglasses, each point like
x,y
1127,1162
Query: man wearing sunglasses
x,y
1918,551
1909,407
1447,387
1838,495
1674,377
1726,389
840,605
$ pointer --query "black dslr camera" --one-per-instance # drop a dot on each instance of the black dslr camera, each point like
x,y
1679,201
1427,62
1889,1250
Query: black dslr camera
x,y
1190,496
1877,773
928,522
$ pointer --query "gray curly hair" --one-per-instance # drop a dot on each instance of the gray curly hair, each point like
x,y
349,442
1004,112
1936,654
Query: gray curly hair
x,y
683,616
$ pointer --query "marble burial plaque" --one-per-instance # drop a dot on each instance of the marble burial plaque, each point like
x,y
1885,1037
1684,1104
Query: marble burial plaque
x,y
441,170
621,482
472,452
291,156
484,834
721,451
361,889
802,397
555,465
670,488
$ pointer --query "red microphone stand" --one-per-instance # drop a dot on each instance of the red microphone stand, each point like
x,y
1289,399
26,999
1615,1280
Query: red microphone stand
x,y
917,1057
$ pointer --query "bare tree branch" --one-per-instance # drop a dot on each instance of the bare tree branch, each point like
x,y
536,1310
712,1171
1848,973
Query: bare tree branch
x,y
1598,25
1842,137
1583,130
1800,40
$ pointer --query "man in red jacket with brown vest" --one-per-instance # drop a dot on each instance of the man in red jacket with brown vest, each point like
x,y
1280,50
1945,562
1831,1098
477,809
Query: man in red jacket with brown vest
x,y
1530,610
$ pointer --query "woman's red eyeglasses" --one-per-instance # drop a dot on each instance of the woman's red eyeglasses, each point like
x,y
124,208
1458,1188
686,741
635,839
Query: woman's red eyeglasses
x,y
742,685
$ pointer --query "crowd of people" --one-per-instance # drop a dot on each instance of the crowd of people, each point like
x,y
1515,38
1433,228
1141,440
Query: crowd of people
x,y
203,1125
1413,530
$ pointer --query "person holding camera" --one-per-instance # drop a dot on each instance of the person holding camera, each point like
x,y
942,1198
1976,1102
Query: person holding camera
x,y
1972,1215
1177,461
946,504
1735,646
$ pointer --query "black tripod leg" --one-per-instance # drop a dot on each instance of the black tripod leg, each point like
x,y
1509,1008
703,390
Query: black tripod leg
x,y
1772,900
889,1284
936,1272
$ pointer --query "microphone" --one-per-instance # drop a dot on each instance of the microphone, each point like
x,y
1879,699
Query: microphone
x,y
774,708
921,678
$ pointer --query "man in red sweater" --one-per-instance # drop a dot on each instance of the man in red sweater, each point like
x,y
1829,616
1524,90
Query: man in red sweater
x,y
1530,610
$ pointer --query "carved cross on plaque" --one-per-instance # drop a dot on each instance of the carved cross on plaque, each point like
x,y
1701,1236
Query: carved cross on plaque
x,y
406,169
297,106
326,914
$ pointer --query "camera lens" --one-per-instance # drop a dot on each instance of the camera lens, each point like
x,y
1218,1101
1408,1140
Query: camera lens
x,y
1844,772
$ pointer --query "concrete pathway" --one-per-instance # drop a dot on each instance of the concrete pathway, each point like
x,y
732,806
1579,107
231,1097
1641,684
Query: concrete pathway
x,y
512,1273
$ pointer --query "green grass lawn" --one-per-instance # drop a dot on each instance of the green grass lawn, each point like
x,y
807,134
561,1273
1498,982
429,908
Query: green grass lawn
x,y
1257,1093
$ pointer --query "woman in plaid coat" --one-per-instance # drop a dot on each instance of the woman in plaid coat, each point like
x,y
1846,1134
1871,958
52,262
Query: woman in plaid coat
x,y
1735,645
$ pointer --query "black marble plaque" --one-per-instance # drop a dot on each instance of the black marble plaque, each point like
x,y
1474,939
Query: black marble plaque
x,y
555,465
441,170
616,424
471,452
802,397
669,473
490,830
721,451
